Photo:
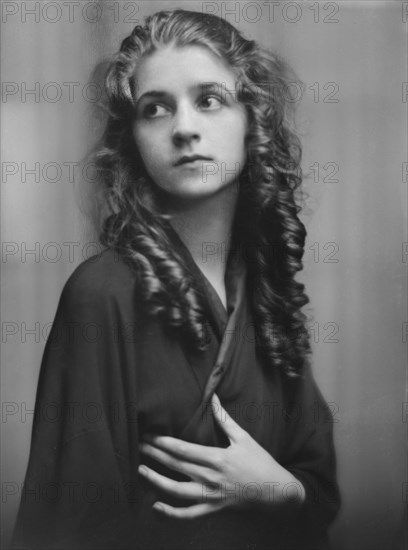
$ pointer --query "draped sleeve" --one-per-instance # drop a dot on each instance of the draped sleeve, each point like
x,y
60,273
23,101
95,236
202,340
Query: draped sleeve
x,y
310,457
79,467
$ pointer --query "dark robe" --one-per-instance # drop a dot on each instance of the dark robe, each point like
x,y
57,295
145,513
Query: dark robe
x,y
111,373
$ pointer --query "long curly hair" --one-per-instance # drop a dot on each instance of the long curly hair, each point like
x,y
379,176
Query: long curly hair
x,y
266,218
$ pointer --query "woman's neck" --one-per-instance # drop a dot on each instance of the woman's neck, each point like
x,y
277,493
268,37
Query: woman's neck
x,y
205,227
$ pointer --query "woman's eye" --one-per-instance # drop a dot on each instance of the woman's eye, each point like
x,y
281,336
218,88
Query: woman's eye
x,y
154,110
211,102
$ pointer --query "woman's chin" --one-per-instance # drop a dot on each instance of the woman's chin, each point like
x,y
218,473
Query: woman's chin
x,y
196,190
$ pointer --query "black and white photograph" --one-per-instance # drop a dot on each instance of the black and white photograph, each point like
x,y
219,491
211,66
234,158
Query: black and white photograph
x,y
204,240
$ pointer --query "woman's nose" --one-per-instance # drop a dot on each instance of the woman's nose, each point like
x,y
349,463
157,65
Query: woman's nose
x,y
185,127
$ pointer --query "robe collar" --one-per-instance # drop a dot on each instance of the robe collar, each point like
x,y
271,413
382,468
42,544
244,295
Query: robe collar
x,y
235,275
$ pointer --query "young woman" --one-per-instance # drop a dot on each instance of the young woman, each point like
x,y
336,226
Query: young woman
x,y
176,407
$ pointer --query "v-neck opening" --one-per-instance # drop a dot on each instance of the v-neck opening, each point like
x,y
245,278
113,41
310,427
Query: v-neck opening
x,y
218,314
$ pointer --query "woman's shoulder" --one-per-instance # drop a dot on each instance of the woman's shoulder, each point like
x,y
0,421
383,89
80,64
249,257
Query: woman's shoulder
x,y
103,275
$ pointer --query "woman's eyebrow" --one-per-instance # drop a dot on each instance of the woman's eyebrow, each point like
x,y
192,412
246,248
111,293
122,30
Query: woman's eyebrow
x,y
208,86
151,93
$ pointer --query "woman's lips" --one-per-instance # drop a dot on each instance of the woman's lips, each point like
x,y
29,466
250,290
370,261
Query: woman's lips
x,y
193,159
195,164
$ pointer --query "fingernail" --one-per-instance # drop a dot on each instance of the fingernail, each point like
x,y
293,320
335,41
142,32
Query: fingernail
x,y
143,470
158,507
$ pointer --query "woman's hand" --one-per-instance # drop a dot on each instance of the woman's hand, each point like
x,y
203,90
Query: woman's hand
x,y
241,475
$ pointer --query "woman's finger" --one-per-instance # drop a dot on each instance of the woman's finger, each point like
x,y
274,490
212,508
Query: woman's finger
x,y
227,423
191,452
193,471
180,489
190,512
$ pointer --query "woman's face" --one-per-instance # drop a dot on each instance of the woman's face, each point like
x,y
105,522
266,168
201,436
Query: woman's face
x,y
186,107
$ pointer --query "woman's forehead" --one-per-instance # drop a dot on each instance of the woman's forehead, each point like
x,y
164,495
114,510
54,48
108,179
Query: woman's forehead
x,y
173,67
